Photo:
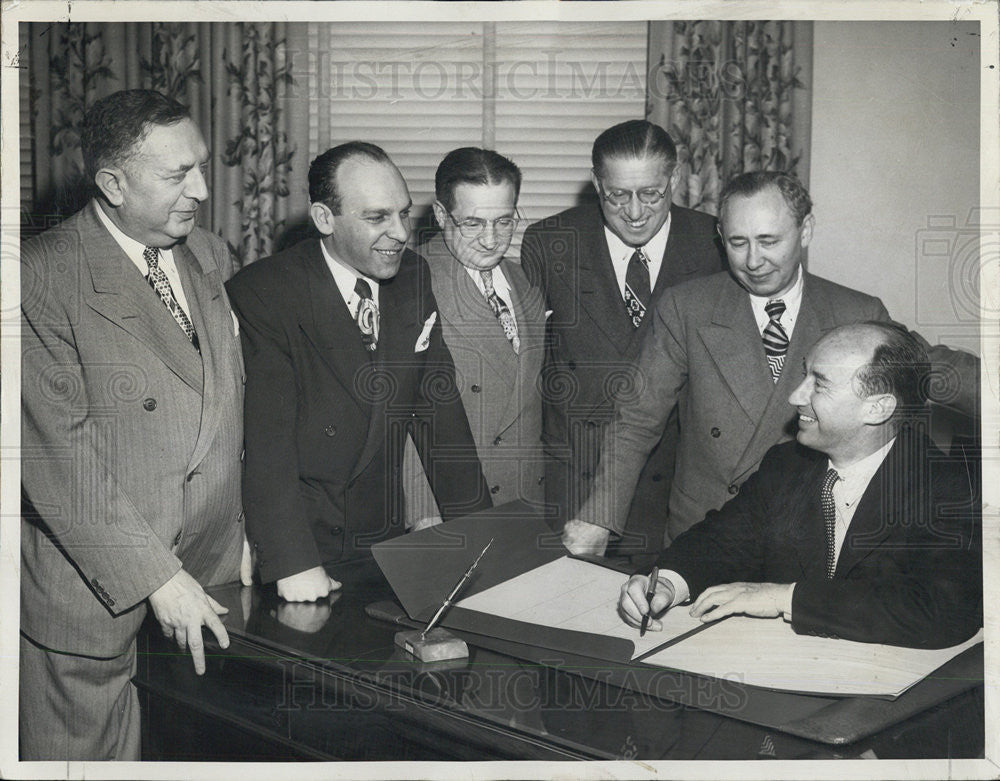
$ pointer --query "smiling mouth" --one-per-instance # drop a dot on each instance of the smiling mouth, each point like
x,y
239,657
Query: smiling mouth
x,y
388,253
635,223
803,418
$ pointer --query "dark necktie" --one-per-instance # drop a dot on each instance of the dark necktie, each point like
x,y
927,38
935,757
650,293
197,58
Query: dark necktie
x,y
367,316
775,338
637,289
501,310
158,281
830,520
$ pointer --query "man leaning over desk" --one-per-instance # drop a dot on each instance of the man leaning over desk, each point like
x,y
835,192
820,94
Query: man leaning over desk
x,y
726,349
861,529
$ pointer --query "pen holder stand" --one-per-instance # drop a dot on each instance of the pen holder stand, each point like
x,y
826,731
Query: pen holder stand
x,y
436,645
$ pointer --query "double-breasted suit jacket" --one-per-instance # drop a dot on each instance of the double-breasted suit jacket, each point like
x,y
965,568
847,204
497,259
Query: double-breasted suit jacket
x,y
909,571
499,388
131,439
327,420
704,355
593,346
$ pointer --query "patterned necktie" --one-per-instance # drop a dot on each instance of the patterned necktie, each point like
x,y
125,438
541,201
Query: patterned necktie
x,y
637,290
367,316
775,338
830,519
501,311
158,281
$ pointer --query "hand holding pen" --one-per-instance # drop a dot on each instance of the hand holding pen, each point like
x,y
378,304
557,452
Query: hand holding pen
x,y
644,597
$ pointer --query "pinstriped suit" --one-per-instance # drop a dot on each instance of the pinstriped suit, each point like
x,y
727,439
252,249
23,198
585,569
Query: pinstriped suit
x,y
131,440
499,388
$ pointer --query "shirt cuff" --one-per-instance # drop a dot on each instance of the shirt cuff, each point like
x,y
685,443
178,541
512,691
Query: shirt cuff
x,y
680,587
786,604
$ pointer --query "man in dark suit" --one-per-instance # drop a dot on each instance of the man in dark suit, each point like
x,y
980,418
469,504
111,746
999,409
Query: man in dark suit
x,y
602,269
344,359
726,350
495,334
861,529
132,421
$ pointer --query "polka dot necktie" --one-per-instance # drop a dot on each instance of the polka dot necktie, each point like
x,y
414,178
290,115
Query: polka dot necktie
x,y
158,281
830,520
499,307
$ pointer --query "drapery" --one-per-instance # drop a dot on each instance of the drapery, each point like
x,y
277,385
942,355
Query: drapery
x,y
240,83
734,96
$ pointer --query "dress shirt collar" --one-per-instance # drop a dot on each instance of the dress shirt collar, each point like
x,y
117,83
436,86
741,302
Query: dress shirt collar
x,y
500,284
792,300
346,278
130,246
621,253
854,478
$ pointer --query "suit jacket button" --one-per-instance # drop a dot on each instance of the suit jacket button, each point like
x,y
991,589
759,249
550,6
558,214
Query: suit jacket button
x,y
336,531
497,441
241,517
733,489
149,404
572,366
177,539
495,489
715,432
475,389
657,477
111,602
330,431
94,583
190,477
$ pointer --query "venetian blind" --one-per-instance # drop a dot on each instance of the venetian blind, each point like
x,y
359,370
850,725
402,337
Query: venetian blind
x,y
536,92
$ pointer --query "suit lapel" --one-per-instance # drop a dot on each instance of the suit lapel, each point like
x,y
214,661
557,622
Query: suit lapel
x,y
680,255
529,310
599,293
122,296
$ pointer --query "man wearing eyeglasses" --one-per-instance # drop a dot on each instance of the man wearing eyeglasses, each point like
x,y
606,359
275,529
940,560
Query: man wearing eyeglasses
x,y
601,269
493,323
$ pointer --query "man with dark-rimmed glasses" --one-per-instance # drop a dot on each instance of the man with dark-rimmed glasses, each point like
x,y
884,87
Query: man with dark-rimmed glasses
x,y
601,268
493,323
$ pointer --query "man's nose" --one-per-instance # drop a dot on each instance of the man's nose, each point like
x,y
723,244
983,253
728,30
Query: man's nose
x,y
755,258
634,208
197,187
488,238
399,230
800,395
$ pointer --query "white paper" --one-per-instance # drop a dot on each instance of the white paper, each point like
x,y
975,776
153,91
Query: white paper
x,y
577,595
767,652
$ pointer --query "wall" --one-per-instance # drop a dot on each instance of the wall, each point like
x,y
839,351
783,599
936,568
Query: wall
x,y
895,169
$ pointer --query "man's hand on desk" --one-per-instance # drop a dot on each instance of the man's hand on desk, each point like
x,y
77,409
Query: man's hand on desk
x,y
182,607
633,605
582,538
763,600
307,586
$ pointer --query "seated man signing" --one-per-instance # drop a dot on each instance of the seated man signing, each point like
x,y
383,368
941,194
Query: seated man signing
x,y
861,529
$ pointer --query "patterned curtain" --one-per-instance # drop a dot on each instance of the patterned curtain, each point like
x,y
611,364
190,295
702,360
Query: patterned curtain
x,y
240,83
734,96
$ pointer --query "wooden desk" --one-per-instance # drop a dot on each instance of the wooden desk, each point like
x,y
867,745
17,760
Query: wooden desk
x,y
326,682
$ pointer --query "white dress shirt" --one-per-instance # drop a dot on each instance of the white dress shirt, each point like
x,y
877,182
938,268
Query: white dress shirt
x,y
500,285
792,300
134,250
621,253
346,278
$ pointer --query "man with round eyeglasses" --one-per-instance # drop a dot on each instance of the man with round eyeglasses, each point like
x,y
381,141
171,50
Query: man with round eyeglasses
x,y
601,269
493,323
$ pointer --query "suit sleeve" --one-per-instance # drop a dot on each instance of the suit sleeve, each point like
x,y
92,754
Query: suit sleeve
x,y
67,455
657,379
442,435
276,518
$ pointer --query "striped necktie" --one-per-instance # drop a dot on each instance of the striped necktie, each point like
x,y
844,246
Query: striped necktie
x,y
157,279
830,520
500,309
775,338
637,288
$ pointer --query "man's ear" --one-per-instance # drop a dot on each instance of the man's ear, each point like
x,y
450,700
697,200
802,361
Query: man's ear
x,y
322,217
440,213
675,176
880,408
807,230
111,182
595,181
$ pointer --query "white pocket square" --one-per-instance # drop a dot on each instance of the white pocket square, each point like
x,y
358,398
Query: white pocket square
x,y
424,340
548,313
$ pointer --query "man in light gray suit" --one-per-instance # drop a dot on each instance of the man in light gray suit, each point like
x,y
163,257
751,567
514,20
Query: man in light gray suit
x,y
728,349
493,323
132,394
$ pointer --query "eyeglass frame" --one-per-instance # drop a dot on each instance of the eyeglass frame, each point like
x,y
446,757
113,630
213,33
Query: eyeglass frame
x,y
516,218
637,193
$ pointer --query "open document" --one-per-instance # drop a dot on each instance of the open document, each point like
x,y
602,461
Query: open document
x,y
576,595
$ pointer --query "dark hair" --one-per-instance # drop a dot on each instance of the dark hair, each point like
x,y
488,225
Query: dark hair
x,y
323,170
899,366
753,182
637,139
472,165
116,124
